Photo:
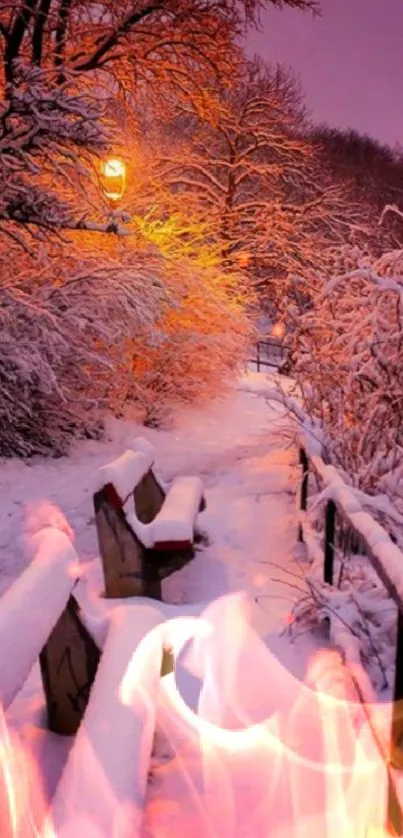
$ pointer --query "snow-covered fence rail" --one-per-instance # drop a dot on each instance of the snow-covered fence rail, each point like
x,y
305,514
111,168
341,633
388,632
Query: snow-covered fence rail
x,y
39,618
270,353
146,530
349,528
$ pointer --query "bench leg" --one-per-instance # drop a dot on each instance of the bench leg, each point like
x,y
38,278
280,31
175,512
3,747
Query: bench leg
x,y
152,581
68,662
170,560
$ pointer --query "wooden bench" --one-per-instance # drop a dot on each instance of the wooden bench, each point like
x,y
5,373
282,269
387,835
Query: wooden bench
x,y
40,618
146,529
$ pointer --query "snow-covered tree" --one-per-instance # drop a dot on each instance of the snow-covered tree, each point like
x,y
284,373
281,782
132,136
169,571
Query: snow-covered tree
x,y
348,360
372,174
74,301
249,169
58,55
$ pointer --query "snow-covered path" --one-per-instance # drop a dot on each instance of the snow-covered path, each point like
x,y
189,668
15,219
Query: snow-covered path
x,y
239,447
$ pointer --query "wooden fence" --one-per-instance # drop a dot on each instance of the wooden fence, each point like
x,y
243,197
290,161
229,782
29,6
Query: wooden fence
x,y
349,529
269,353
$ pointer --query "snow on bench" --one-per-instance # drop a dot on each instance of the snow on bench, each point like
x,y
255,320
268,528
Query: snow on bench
x,y
175,521
145,529
40,618
125,472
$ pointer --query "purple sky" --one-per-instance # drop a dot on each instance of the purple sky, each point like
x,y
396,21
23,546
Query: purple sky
x,y
350,61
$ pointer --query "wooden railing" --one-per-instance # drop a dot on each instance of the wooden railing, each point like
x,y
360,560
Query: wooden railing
x,y
269,353
354,532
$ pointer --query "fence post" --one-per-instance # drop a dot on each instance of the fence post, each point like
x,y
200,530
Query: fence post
x,y
398,690
394,812
330,517
397,707
304,488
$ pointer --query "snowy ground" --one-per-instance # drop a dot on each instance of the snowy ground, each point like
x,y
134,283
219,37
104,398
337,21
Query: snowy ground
x,y
239,448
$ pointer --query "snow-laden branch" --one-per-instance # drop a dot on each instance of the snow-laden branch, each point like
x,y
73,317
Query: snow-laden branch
x,y
383,283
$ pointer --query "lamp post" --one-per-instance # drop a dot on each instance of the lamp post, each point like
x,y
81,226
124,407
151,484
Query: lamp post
x,y
113,175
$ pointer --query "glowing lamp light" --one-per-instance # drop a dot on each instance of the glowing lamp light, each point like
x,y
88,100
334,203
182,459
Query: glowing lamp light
x,y
278,330
114,177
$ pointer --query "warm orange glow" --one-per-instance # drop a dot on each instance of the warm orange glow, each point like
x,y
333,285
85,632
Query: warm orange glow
x,y
114,174
278,330
243,259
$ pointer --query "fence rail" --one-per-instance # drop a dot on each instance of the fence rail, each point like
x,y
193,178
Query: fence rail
x,y
341,531
269,353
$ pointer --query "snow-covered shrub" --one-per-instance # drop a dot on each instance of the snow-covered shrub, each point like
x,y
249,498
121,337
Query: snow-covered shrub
x,y
91,322
201,331
347,351
194,356
101,323
62,322
358,615
347,347
94,312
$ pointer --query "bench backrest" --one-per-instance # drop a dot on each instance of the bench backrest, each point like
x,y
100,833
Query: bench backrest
x,y
124,473
39,610
127,498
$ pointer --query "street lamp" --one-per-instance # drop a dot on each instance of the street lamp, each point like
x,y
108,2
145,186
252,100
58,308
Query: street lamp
x,y
113,172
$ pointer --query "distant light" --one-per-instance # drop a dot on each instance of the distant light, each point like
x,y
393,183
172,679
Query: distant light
x,y
243,259
278,330
114,175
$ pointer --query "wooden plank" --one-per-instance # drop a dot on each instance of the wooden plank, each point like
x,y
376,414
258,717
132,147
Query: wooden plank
x,y
68,663
169,561
152,578
148,498
122,554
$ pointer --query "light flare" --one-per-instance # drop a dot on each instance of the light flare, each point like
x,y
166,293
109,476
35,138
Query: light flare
x,y
114,177
309,766
22,801
264,755
43,513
